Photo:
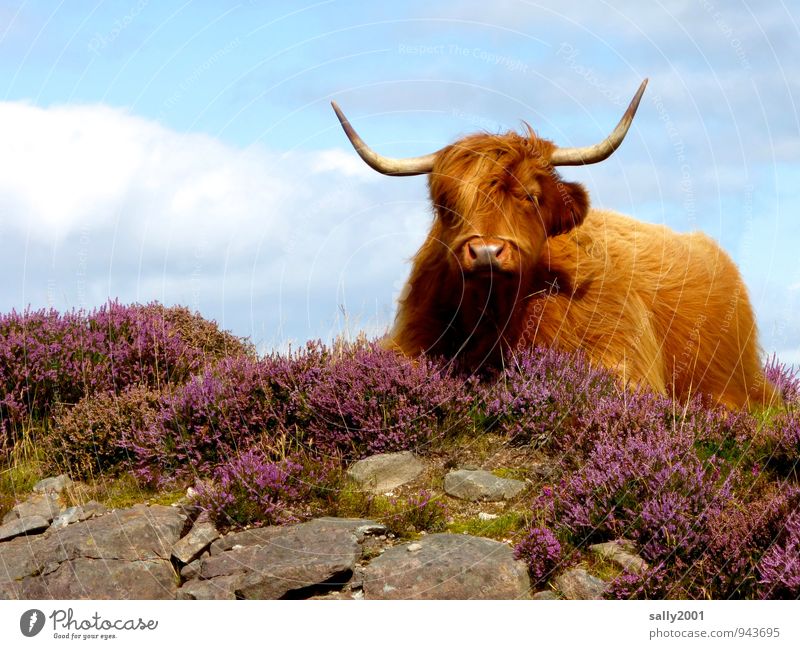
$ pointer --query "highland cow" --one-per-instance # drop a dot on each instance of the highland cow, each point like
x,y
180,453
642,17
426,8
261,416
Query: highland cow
x,y
515,258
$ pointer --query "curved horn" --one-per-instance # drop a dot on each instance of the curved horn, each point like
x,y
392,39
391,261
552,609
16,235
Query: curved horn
x,y
389,166
598,152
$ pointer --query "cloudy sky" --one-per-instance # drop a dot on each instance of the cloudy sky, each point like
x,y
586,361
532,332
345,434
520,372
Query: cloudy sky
x,y
186,152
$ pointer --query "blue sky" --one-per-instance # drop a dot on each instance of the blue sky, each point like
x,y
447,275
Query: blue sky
x,y
187,153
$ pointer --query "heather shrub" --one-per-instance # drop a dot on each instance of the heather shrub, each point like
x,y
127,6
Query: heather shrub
x,y
651,584
541,550
650,487
542,392
784,378
779,440
252,488
48,359
200,334
208,421
370,400
779,568
738,537
87,440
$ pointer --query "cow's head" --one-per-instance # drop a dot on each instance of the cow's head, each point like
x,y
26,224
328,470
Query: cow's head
x,y
496,198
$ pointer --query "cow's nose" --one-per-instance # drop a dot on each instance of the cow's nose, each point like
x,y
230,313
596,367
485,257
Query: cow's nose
x,y
484,255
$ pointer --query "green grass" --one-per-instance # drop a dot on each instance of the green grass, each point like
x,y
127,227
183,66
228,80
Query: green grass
x,y
25,468
504,526
511,473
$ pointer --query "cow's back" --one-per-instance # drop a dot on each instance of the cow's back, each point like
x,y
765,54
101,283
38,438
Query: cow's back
x,y
665,309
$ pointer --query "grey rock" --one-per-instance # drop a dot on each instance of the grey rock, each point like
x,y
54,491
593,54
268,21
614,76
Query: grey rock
x,y
219,588
92,509
54,485
270,563
202,534
481,485
447,566
381,473
358,526
136,535
256,536
576,583
191,570
545,594
23,526
104,579
623,554
46,505
79,513
69,515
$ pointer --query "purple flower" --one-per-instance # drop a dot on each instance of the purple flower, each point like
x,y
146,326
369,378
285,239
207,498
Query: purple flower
x,y
779,568
541,550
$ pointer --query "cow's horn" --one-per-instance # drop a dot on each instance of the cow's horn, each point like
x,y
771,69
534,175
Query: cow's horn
x,y
389,166
598,152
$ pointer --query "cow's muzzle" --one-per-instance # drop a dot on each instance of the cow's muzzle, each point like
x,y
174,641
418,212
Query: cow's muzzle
x,y
485,256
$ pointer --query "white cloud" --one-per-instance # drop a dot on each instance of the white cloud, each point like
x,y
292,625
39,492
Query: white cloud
x,y
98,203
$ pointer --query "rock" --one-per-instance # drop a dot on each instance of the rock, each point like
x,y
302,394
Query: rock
x,y
191,570
70,515
358,526
279,562
137,533
104,579
93,554
202,534
93,508
576,583
447,566
22,526
54,485
546,594
414,547
219,588
623,554
481,485
381,473
46,505
79,513
483,516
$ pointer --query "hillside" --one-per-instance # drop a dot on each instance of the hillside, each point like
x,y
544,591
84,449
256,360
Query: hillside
x,y
140,403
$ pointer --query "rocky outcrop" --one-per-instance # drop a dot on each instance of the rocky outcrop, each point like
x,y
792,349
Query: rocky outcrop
x,y
158,552
280,562
447,566
481,485
576,583
623,554
46,505
23,526
120,555
382,473
202,534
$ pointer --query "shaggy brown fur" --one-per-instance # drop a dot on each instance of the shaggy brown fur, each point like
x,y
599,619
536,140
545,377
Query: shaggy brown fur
x,y
662,309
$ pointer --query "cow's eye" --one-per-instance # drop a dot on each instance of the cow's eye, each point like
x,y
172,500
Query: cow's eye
x,y
532,198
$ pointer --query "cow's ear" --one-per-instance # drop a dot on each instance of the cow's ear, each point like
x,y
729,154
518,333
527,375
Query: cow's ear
x,y
570,205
